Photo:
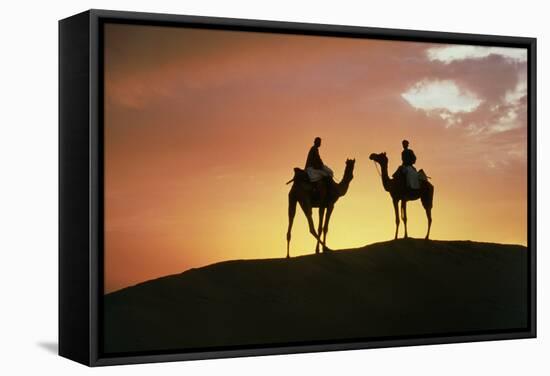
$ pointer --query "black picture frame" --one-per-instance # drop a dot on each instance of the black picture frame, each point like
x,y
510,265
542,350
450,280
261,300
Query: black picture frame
x,y
81,180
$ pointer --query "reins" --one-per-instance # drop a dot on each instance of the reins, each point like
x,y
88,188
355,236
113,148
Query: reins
x,y
377,170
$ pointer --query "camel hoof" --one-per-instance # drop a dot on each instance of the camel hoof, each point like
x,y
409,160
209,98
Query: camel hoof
x,y
327,249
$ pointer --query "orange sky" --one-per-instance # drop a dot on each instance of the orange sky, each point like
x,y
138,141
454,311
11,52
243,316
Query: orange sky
x,y
203,128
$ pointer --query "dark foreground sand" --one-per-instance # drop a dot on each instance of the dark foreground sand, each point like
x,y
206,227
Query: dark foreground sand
x,y
403,287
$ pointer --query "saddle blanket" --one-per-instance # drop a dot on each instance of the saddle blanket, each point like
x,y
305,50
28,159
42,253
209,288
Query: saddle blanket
x,y
316,175
414,177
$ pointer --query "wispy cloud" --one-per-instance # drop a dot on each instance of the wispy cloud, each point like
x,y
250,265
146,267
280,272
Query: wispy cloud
x,y
505,115
443,98
452,53
515,95
493,119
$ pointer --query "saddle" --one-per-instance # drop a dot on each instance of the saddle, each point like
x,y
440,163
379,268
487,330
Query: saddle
x,y
422,175
317,188
401,176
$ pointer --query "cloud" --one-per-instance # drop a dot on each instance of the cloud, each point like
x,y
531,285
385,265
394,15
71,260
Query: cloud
x,y
442,96
506,118
514,96
452,53
496,120
506,114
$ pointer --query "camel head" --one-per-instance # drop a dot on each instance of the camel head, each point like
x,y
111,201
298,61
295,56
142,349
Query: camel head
x,y
381,158
347,178
350,165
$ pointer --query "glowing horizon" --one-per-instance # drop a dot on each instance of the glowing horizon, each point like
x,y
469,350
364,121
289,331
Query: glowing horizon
x,y
203,129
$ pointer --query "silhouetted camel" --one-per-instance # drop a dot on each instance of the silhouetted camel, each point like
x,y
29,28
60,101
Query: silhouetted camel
x,y
302,193
399,192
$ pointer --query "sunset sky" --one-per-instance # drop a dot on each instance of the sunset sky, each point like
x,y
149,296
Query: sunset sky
x,y
204,127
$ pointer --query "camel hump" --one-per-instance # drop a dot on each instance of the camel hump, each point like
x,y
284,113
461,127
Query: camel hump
x,y
300,175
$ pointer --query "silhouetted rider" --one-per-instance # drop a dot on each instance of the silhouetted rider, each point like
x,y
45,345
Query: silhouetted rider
x,y
408,159
407,155
315,168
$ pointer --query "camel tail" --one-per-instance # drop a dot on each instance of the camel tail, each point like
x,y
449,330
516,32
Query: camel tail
x,y
290,181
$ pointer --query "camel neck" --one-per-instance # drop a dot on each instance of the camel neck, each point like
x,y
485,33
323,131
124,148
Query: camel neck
x,y
343,185
385,176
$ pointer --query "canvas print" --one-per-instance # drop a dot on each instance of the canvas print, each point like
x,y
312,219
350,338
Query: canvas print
x,y
269,189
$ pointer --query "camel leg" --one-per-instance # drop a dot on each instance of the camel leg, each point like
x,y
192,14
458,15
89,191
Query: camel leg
x,y
291,214
404,216
320,228
306,207
325,228
396,209
427,202
429,215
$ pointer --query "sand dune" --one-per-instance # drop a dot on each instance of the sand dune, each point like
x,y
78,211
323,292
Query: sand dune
x,y
396,288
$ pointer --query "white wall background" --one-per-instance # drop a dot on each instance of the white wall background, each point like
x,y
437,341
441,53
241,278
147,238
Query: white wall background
x,y
28,186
